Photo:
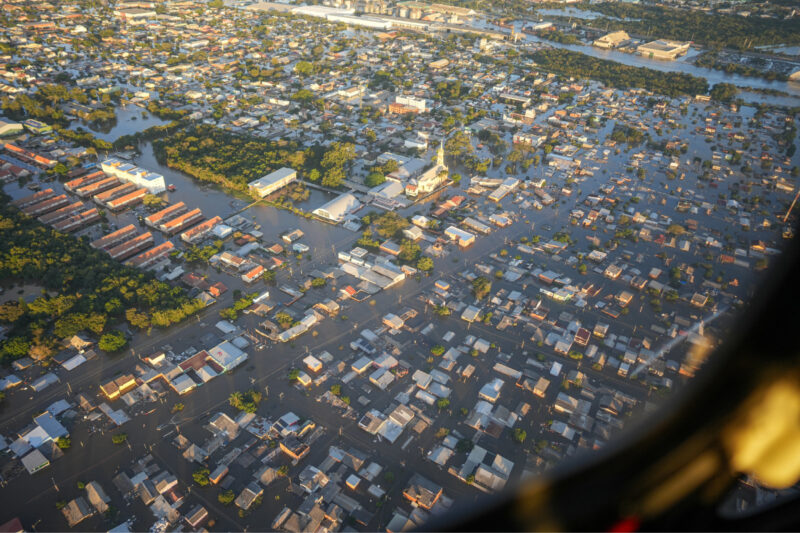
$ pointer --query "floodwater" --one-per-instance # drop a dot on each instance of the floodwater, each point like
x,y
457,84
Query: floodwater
x,y
319,235
574,12
130,120
682,65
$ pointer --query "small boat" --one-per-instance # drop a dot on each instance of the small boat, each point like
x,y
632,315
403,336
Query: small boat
x,y
171,188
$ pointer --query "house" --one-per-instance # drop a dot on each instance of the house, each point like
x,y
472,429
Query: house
x,y
422,492
249,495
393,321
313,364
117,387
253,274
196,516
463,238
471,314
294,448
76,511
699,300
491,391
227,356
390,247
97,496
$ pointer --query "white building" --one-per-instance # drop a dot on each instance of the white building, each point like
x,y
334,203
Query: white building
x,y
270,183
338,208
663,49
154,183
411,101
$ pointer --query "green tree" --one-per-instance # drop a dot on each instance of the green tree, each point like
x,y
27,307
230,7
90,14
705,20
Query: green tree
x,y
425,264
245,401
374,179
409,251
113,341
200,476
481,286
268,276
304,68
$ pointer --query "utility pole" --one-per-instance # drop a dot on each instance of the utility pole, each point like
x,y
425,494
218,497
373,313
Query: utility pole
x,y
786,216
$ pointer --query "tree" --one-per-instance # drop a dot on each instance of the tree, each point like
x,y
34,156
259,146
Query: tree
x,y
390,224
374,179
333,177
284,319
442,403
294,374
245,401
425,264
520,435
226,497
437,350
119,438
304,68
723,92
442,310
336,390
64,442
200,476
464,446
153,201
303,96
409,251
676,229
318,282
268,276
113,341
481,286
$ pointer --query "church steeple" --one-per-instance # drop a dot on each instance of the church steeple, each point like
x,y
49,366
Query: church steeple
x,y
440,155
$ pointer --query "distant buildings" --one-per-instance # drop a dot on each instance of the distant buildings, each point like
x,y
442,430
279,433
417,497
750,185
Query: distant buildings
x,y
8,128
612,40
663,49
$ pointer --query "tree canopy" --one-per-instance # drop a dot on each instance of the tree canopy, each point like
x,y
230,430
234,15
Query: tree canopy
x,y
85,289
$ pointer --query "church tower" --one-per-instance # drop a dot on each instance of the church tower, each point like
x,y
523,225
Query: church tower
x,y
440,155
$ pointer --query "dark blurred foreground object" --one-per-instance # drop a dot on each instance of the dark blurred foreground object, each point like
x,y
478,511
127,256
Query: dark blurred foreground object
x,y
740,415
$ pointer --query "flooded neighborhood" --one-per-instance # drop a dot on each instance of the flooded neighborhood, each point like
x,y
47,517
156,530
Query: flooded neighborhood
x,y
361,263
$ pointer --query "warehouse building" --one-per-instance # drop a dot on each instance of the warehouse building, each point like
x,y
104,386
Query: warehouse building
x,y
270,183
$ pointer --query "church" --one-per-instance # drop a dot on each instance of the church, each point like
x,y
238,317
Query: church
x,y
432,178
